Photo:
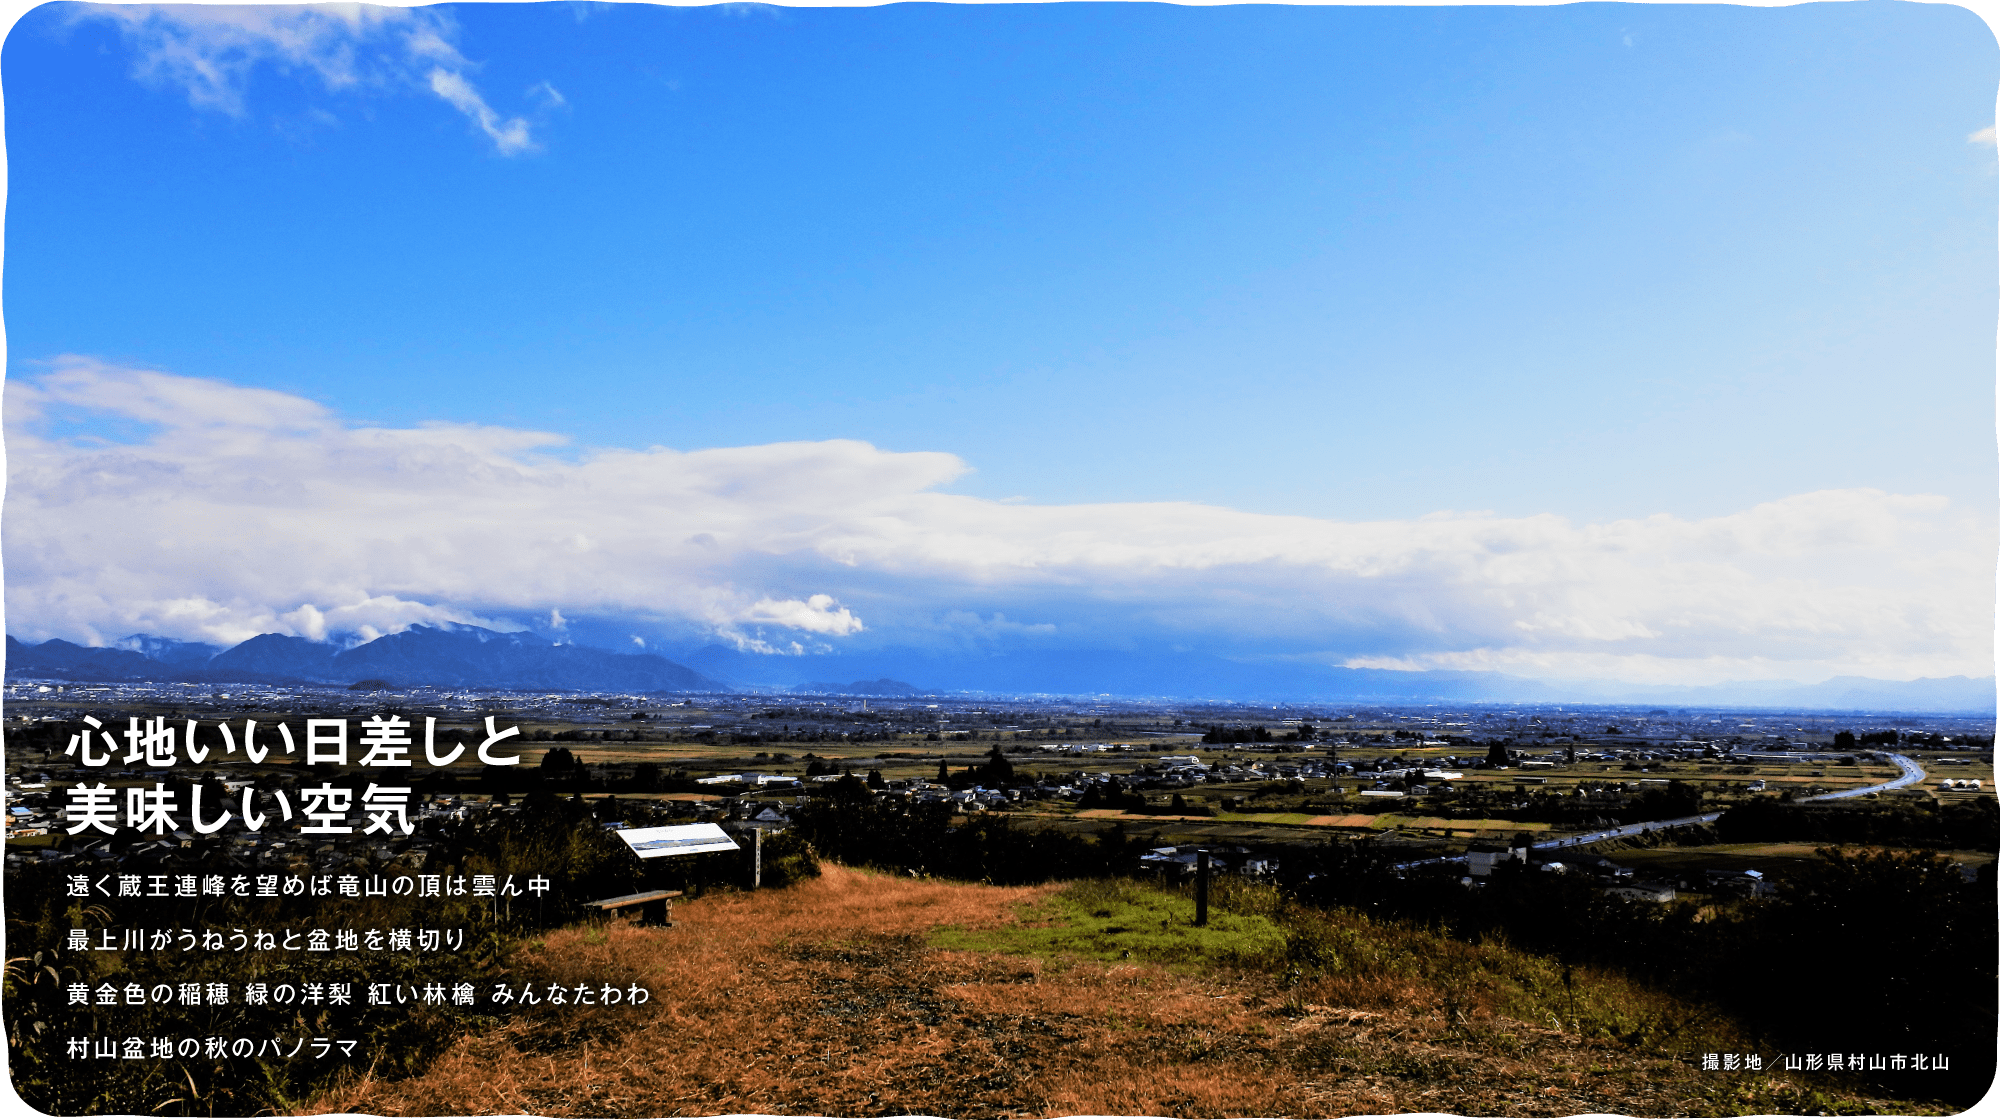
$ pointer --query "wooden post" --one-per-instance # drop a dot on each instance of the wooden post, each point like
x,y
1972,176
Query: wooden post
x,y
757,861
1201,888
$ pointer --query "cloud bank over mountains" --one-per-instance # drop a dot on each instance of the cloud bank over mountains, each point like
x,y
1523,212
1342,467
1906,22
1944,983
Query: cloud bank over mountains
x,y
216,512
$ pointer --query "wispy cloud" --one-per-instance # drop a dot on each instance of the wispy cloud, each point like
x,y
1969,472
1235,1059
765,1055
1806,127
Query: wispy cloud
x,y
548,95
246,510
1983,136
211,52
509,136
582,10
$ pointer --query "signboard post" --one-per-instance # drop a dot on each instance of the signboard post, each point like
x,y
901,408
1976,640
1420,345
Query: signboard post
x,y
1201,888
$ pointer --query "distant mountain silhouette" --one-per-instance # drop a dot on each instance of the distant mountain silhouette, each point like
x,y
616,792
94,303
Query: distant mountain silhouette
x,y
62,660
1167,675
170,651
1136,674
882,687
471,657
451,657
268,656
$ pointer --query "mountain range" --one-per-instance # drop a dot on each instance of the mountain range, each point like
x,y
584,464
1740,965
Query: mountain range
x,y
1165,674
448,657
455,656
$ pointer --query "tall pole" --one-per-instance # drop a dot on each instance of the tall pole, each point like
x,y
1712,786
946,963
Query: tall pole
x,y
1201,888
757,861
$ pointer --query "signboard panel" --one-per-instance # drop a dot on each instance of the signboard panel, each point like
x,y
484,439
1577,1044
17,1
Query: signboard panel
x,y
676,840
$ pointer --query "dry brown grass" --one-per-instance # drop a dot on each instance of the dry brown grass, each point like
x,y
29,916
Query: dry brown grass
x,y
827,999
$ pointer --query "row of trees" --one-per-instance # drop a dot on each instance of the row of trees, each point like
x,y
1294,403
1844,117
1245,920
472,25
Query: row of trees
x,y
931,839
997,772
1847,740
1219,734
1969,825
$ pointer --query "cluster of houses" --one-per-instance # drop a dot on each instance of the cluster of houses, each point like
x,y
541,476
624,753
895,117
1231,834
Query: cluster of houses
x,y
1384,778
1614,879
28,812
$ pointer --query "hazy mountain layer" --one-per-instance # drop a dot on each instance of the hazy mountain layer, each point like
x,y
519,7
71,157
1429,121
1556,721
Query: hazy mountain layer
x,y
459,657
471,657
1194,676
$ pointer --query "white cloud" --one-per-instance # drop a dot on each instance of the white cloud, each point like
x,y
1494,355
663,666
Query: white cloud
x,y
212,51
246,510
509,136
1983,136
818,614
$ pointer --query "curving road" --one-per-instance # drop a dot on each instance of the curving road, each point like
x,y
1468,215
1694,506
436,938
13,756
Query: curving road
x,y
1912,773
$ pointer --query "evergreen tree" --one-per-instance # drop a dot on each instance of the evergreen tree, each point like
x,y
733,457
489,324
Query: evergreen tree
x,y
998,771
558,760
646,777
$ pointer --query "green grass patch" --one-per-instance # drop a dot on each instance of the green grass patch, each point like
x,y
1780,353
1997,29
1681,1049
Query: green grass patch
x,y
1111,920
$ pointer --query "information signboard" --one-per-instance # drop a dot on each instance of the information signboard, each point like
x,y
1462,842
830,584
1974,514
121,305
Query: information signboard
x,y
676,840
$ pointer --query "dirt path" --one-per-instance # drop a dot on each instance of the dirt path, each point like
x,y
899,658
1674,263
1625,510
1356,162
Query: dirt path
x,y
827,999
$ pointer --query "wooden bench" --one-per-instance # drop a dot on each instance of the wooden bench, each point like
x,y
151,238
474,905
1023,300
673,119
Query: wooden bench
x,y
656,908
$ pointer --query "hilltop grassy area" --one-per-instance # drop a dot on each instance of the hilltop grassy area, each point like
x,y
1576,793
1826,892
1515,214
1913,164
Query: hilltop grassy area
x,y
1110,920
860,993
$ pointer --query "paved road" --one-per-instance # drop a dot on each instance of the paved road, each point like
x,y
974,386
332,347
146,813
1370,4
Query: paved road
x,y
1912,773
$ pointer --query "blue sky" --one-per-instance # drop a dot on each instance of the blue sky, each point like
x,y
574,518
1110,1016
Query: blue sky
x,y
1592,264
